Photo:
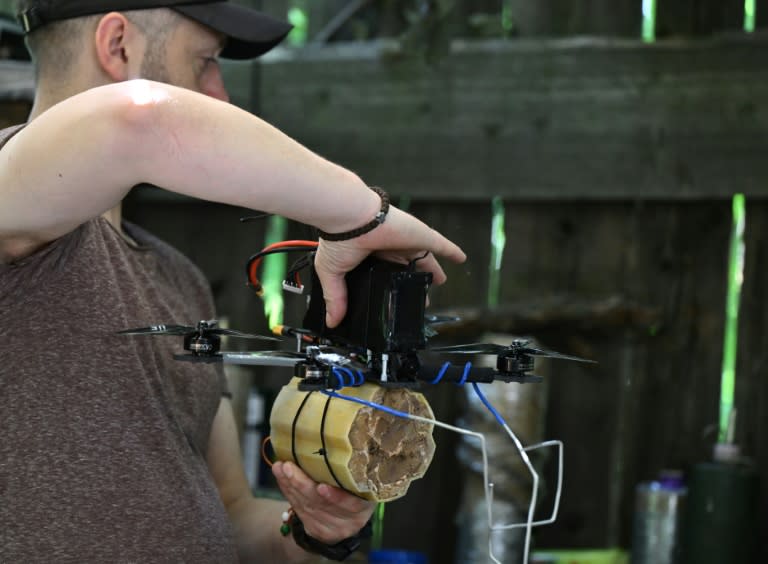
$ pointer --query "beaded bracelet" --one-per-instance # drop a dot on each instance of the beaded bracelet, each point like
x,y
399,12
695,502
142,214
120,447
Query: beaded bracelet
x,y
370,226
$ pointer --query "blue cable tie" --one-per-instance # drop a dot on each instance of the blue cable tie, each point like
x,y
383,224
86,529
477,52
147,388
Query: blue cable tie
x,y
441,373
347,371
339,376
464,376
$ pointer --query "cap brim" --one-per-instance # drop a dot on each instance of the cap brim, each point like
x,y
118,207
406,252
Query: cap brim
x,y
250,33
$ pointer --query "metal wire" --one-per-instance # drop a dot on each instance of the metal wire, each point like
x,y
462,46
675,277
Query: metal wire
x,y
487,484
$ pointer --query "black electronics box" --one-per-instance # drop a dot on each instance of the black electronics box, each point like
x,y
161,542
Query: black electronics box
x,y
385,308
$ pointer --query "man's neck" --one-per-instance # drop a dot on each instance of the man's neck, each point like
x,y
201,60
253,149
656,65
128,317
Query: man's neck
x,y
48,93
115,217
44,101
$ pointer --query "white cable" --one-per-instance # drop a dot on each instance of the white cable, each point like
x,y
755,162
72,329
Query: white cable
x,y
488,486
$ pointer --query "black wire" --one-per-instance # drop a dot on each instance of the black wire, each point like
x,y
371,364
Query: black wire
x,y
303,262
293,428
322,440
277,250
255,217
269,252
422,257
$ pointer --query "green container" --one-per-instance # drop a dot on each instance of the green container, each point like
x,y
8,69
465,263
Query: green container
x,y
721,519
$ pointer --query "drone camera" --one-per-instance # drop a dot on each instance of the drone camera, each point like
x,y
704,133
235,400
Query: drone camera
x,y
385,308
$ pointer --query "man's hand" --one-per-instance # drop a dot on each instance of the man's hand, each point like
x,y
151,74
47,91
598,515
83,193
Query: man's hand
x,y
401,238
329,514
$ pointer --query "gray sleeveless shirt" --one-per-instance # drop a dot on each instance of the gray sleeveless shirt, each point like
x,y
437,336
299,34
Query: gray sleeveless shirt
x,y
103,437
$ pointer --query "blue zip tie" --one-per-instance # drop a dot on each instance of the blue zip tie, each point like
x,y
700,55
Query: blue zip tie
x,y
355,379
441,373
464,376
339,376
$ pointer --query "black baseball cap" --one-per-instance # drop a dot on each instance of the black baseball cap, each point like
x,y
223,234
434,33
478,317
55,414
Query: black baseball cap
x,y
250,33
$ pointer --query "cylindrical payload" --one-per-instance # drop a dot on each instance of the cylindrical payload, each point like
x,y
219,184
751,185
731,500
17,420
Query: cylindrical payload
x,y
364,450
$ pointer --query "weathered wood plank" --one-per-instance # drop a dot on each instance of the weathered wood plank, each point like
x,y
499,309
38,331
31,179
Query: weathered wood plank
x,y
698,17
752,360
534,120
659,359
576,17
761,15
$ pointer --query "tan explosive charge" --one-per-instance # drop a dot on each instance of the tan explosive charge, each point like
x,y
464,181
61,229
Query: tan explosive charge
x,y
364,450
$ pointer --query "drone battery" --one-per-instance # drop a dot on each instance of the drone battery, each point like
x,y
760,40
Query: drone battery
x,y
385,309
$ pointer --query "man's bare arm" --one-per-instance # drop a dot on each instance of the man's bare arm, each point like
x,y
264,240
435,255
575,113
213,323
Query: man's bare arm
x,y
80,158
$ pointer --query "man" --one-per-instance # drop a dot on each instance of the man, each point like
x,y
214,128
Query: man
x,y
110,450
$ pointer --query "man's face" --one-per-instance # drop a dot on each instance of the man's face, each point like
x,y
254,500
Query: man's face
x,y
188,59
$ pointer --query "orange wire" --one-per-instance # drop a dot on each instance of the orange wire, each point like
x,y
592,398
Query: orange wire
x,y
264,451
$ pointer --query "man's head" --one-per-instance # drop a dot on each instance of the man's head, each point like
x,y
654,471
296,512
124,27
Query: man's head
x,y
166,40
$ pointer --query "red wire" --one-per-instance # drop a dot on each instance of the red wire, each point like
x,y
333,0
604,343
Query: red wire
x,y
254,266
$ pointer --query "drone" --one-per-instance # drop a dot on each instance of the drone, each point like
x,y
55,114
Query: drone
x,y
379,340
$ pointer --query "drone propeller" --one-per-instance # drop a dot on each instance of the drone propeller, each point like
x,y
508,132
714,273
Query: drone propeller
x,y
203,328
263,358
318,356
517,347
203,340
431,320
438,319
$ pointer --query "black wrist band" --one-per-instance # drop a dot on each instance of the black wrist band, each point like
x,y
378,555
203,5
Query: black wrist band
x,y
370,226
339,551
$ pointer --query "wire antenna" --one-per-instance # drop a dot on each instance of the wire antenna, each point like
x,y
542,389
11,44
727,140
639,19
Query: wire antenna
x,y
488,485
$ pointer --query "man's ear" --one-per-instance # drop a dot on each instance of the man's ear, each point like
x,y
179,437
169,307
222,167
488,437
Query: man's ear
x,y
119,47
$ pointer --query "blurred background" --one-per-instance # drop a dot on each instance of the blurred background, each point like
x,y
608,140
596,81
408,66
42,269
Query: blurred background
x,y
602,163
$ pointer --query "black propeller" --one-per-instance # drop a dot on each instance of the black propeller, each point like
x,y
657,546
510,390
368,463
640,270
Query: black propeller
x,y
516,348
438,319
203,339
431,320
264,358
202,328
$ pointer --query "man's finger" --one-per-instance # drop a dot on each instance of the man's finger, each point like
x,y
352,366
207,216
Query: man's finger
x,y
335,296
